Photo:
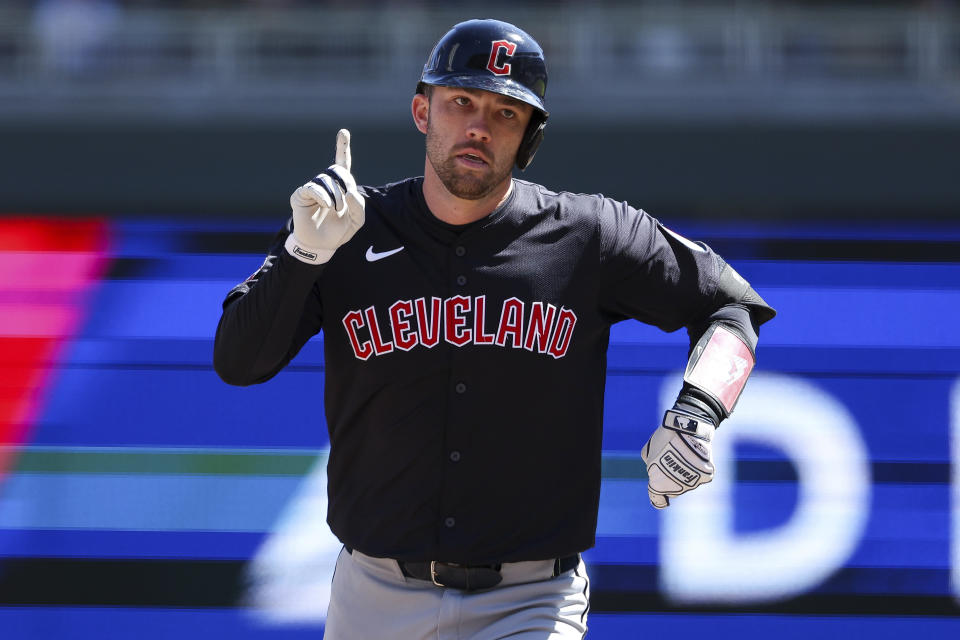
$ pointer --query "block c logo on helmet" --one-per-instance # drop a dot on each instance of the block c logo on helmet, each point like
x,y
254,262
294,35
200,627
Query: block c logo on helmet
x,y
495,47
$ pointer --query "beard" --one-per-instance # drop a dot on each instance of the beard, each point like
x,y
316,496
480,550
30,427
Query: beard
x,y
458,180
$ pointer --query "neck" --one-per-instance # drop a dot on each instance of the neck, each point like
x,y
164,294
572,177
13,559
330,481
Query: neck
x,y
454,210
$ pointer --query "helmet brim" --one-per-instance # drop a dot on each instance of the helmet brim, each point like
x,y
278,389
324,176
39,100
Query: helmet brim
x,y
504,87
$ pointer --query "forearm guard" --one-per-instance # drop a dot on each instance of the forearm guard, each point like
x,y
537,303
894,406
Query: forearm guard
x,y
723,355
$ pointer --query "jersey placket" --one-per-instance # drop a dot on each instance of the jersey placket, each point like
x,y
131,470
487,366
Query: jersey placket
x,y
456,438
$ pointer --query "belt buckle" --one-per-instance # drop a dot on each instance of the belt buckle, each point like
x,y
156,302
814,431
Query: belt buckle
x,y
433,574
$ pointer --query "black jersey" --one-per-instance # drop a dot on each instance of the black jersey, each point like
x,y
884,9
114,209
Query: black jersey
x,y
465,366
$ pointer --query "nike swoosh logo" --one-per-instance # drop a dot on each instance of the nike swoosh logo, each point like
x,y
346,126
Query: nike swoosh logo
x,y
372,256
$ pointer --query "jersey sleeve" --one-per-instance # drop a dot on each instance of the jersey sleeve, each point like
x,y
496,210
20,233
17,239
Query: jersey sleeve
x,y
654,275
268,318
651,274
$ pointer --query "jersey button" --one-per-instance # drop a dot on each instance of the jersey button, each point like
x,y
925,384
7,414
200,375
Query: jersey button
x,y
461,387
454,456
460,251
461,280
449,522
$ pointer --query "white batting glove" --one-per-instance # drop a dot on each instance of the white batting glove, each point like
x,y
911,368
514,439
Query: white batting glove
x,y
679,456
327,211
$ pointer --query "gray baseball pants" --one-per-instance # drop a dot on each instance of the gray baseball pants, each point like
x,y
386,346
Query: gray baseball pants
x,y
371,599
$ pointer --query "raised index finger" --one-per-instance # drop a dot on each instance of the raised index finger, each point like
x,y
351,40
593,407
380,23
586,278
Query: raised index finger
x,y
343,149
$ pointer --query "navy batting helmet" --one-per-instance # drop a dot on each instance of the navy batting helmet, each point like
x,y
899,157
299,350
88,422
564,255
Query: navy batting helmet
x,y
494,56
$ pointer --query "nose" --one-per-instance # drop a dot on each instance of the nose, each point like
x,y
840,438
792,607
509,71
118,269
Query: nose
x,y
478,129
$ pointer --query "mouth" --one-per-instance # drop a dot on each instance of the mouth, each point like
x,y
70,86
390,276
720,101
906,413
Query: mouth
x,y
472,158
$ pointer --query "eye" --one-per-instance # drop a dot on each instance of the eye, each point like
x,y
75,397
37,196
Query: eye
x,y
509,114
462,100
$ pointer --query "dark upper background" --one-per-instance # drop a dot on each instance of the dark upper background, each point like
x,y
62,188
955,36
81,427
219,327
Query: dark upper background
x,y
780,111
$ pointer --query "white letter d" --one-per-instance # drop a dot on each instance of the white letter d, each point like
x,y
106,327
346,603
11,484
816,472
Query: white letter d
x,y
704,560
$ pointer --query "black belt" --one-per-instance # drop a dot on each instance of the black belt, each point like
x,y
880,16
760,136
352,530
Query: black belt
x,y
469,577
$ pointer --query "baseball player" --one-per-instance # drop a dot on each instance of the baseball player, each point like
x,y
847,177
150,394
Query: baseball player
x,y
466,316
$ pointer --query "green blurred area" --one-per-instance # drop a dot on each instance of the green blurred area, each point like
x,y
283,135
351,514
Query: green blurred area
x,y
780,111
710,171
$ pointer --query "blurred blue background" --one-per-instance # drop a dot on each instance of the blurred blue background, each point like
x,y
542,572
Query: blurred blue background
x,y
148,151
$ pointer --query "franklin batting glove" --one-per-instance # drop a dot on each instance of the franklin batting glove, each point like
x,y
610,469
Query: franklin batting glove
x,y
679,456
327,211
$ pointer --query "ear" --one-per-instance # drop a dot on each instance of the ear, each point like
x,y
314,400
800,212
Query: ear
x,y
420,108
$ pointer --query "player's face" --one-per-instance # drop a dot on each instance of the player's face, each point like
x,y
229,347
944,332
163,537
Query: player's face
x,y
472,139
